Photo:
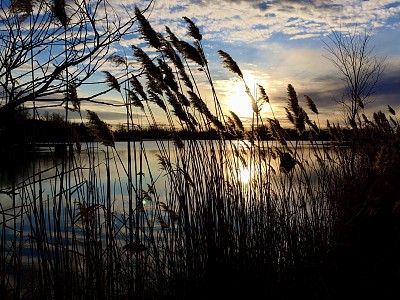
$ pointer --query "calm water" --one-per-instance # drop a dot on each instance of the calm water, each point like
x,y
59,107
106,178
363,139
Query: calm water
x,y
44,169
56,186
45,166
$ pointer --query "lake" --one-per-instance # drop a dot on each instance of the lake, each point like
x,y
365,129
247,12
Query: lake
x,y
46,174
159,202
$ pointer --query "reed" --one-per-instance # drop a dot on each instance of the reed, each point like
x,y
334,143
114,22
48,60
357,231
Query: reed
x,y
258,216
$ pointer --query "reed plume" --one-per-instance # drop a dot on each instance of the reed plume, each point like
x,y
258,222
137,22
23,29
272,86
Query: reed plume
x,y
137,86
193,120
185,78
296,114
112,81
194,31
169,77
381,121
287,162
230,64
263,94
199,104
366,120
290,116
199,49
217,123
254,105
164,165
100,129
171,54
177,107
237,121
177,140
276,131
153,97
230,124
134,99
313,125
359,101
311,104
335,131
152,72
173,39
182,99
72,96
191,53
391,110
23,7
118,60
394,122
145,29
59,12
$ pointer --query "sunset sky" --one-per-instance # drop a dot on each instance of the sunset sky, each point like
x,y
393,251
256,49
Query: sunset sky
x,y
282,41
275,43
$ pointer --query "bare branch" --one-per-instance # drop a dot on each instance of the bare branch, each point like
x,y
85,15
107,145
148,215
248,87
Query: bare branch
x,y
360,68
38,57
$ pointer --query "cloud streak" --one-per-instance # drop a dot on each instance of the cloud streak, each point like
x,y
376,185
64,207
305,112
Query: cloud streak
x,y
282,40
231,20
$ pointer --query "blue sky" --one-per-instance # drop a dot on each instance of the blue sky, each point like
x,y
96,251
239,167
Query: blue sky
x,y
279,42
275,43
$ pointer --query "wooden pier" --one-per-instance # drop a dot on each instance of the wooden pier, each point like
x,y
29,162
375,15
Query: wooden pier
x,y
59,147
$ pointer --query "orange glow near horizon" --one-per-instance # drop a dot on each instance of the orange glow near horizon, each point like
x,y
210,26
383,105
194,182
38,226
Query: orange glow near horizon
x,y
238,101
236,98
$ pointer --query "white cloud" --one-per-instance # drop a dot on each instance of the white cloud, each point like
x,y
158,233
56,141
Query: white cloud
x,y
241,20
279,39
276,42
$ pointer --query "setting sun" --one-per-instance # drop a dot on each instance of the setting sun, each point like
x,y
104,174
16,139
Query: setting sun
x,y
236,98
238,101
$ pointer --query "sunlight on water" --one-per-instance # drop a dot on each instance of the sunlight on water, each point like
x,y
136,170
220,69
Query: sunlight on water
x,y
241,151
244,174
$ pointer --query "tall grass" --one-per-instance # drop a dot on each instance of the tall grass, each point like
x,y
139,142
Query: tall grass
x,y
258,216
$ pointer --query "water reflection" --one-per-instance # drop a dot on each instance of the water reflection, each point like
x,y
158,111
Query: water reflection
x,y
106,176
110,200
22,169
244,174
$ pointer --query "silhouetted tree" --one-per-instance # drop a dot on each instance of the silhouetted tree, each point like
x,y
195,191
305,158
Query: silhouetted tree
x,y
361,69
48,49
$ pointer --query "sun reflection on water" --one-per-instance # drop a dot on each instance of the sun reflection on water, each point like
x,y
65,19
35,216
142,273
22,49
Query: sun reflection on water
x,y
244,174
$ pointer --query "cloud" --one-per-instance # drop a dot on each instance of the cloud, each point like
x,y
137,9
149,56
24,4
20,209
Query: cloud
x,y
388,89
277,42
232,20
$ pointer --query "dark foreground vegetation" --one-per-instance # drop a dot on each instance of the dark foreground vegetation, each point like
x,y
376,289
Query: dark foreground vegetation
x,y
317,224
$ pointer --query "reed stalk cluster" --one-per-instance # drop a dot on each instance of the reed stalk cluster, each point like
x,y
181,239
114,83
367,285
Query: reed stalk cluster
x,y
259,216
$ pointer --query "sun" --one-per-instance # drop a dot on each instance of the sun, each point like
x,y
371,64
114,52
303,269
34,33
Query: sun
x,y
238,101
235,97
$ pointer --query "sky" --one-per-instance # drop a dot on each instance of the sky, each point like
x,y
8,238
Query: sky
x,y
278,42
275,43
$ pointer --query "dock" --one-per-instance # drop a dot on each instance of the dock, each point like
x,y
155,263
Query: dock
x,y
59,147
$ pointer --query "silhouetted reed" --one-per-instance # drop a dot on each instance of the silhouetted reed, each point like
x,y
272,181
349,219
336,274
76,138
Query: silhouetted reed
x,y
260,216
